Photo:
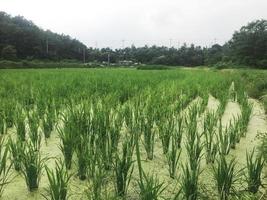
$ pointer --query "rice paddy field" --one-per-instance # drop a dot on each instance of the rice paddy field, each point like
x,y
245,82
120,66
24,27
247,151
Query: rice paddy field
x,y
132,134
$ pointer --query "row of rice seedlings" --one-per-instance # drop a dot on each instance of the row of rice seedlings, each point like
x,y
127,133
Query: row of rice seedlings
x,y
211,147
255,164
16,149
4,166
225,176
189,188
58,182
123,166
20,123
32,165
149,185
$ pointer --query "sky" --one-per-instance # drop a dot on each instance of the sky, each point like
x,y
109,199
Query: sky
x,y
121,23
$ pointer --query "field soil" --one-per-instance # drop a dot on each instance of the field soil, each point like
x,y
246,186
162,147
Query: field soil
x,y
17,189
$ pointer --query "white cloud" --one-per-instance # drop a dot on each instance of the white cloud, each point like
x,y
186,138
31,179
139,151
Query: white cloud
x,y
140,22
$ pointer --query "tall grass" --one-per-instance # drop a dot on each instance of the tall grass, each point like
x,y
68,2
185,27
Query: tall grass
x,y
58,182
255,164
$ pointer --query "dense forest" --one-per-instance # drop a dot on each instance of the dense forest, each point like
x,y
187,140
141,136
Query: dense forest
x,y
21,39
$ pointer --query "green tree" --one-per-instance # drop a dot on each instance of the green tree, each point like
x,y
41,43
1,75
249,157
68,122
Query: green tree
x,y
249,45
9,53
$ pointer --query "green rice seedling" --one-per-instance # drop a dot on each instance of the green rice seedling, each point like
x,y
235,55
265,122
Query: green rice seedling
x,y
225,176
74,124
20,123
173,156
31,166
16,149
97,180
189,182
35,137
223,140
82,151
9,113
166,129
101,123
151,188
115,125
246,111
48,123
255,164
149,136
67,145
194,151
233,135
4,166
178,130
58,182
191,124
204,103
2,123
210,122
123,167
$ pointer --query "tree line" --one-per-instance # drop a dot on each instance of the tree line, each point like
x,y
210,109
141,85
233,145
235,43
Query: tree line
x,y
21,39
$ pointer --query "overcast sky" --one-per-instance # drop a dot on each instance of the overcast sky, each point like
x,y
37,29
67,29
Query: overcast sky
x,y
114,23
